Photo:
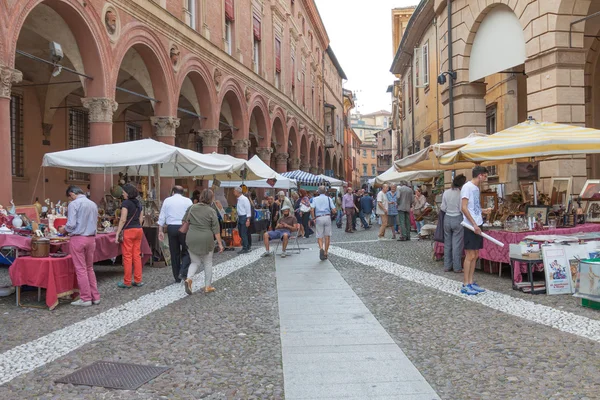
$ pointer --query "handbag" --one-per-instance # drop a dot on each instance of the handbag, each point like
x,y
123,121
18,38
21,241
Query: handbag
x,y
331,214
185,225
438,236
126,225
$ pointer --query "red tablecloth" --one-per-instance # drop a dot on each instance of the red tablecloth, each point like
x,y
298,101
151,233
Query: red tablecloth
x,y
491,252
56,275
106,248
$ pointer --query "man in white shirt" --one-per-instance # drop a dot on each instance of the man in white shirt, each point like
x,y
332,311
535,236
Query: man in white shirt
x,y
244,214
382,210
171,213
472,215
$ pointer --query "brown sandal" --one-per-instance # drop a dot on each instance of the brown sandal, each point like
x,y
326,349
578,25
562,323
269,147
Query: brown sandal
x,y
209,289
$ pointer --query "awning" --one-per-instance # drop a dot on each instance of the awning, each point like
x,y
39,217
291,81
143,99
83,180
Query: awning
x,y
332,181
391,176
259,165
428,158
528,140
305,178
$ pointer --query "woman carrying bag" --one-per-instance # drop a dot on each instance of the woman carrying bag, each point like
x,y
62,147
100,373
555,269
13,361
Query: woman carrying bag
x,y
202,227
130,234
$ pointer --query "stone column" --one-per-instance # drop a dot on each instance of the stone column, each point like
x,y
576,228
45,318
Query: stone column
x,y
281,160
305,167
165,132
210,140
555,93
101,111
469,109
294,164
240,148
313,170
8,76
265,154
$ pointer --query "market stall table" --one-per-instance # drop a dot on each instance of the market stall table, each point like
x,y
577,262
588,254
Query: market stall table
x,y
56,275
491,252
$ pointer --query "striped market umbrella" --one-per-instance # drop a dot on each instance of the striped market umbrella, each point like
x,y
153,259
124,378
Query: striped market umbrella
x,y
530,139
305,178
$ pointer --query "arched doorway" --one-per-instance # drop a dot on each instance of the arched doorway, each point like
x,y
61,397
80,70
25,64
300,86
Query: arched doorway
x,y
304,155
54,100
293,149
233,122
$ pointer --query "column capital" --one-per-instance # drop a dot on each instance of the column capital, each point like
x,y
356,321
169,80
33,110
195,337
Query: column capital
x,y
8,76
165,126
305,167
265,154
241,146
101,108
314,170
294,164
210,137
282,158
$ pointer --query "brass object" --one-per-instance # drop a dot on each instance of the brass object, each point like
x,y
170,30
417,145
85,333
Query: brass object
x,y
40,247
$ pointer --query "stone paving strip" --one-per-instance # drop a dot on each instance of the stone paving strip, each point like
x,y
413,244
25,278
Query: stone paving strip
x,y
34,354
541,314
332,346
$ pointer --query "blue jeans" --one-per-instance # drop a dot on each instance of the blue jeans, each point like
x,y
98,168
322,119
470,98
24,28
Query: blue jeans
x,y
243,231
338,219
419,225
364,222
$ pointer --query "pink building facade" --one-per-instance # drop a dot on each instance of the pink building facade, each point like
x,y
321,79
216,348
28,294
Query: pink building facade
x,y
241,77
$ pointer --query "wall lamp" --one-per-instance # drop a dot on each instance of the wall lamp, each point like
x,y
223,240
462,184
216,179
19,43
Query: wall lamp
x,y
442,77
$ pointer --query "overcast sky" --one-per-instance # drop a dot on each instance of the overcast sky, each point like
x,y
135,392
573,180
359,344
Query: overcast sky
x,y
360,32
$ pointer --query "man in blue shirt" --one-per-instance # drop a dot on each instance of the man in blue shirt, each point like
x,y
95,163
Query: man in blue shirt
x,y
322,208
366,208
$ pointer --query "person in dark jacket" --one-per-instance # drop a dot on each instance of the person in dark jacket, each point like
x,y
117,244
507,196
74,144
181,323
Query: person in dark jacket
x,y
366,208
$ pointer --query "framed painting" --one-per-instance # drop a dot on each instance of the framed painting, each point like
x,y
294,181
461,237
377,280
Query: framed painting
x,y
489,200
538,212
591,189
592,211
560,191
527,192
29,211
528,172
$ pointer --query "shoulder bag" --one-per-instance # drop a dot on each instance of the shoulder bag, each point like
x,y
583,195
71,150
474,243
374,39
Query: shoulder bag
x,y
331,214
185,225
127,224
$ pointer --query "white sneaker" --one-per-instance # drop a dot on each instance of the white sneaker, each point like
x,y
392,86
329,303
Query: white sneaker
x,y
96,302
81,303
266,254
283,254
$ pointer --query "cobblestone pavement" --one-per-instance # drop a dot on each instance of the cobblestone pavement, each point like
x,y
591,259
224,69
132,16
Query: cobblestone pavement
x,y
222,346
227,345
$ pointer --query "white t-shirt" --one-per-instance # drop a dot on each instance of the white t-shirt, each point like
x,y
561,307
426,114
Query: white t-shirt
x,y
383,199
471,192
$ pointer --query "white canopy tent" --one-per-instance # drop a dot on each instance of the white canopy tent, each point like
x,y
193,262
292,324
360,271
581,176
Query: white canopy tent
x,y
333,182
391,176
133,157
255,168
259,166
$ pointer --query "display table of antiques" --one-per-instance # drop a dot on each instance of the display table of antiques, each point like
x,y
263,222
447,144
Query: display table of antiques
x,y
491,252
56,275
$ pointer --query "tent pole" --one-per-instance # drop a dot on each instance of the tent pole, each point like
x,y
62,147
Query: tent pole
x,y
535,194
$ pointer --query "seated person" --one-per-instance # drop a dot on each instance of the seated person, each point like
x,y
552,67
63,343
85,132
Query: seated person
x,y
285,226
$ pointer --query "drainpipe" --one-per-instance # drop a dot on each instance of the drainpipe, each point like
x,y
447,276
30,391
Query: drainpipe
x,y
450,69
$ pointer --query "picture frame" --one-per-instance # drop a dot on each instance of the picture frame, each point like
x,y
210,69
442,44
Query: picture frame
x,y
591,190
557,270
592,211
527,192
30,211
560,191
538,212
528,171
489,200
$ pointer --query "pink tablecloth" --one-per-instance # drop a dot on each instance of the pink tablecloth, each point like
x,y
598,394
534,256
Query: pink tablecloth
x,y
56,275
106,248
491,252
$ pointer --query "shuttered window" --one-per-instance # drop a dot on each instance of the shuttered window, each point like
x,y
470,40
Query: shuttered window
x,y
256,27
277,55
229,10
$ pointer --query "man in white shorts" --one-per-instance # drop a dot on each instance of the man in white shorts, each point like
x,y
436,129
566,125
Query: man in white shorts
x,y
322,208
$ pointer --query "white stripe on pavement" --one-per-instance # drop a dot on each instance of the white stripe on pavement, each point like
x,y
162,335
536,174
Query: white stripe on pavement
x,y
29,356
538,313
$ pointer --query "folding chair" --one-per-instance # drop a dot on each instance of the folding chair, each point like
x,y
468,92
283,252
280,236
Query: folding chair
x,y
293,239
